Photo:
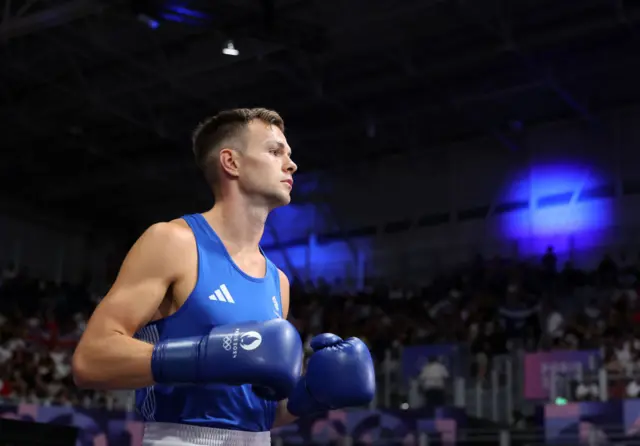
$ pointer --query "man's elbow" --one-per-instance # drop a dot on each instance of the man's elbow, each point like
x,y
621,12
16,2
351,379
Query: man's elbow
x,y
81,370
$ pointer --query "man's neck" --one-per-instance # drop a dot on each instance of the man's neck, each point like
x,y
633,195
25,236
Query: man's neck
x,y
239,225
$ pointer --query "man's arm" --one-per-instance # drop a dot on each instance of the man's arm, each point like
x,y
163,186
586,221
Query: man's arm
x,y
282,415
107,356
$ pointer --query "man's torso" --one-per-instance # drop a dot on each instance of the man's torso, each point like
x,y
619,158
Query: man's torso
x,y
222,293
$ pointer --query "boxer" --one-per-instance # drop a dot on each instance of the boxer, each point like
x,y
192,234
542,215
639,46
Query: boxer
x,y
196,318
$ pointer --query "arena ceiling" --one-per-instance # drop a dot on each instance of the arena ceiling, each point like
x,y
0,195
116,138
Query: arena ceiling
x,y
97,106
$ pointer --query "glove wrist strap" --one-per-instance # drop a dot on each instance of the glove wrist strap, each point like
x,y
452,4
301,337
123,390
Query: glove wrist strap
x,y
176,361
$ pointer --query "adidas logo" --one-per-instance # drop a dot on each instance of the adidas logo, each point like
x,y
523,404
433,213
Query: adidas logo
x,y
222,294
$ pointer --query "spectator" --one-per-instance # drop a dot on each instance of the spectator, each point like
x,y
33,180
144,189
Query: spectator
x,y
587,390
491,305
592,310
633,388
554,324
432,381
550,262
611,362
608,271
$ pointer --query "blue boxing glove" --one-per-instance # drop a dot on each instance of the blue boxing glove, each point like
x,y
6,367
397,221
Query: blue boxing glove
x,y
339,374
267,355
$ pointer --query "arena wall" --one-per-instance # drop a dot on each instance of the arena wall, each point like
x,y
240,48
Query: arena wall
x,y
562,184
569,184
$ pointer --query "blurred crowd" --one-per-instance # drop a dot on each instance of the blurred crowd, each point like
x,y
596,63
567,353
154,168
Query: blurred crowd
x,y
493,306
40,323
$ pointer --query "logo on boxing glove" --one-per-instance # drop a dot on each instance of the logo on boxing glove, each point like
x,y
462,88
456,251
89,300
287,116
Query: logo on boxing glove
x,y
251,340
248,341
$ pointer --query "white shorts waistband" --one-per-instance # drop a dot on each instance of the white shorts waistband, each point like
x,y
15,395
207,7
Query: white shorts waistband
x,y
175,434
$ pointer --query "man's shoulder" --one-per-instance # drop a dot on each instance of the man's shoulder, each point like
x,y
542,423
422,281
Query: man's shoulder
x,y
172,235
284,280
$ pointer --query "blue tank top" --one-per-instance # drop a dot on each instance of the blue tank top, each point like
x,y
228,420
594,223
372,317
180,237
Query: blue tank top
x,y
223,295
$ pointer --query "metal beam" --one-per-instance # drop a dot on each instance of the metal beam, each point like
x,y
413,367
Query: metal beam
x,y
315,86
96,100
6,14
97,180
71,51
92,182
554,84
103,179
25,7
140,172
432,69
469,115
504,33
135,63
181,70
49,18
456,62
544,72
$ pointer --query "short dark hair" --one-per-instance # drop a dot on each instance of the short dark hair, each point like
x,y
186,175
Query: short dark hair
x,y
214,132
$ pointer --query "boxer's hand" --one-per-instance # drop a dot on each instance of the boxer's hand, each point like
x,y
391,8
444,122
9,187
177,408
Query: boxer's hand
x,y
267,355
339,374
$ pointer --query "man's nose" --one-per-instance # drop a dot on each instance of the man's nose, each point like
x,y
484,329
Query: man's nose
x,y
291,167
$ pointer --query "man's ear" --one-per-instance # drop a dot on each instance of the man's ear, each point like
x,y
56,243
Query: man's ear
x,y
229,161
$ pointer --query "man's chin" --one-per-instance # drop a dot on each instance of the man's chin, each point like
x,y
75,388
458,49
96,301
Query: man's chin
x,y
280,200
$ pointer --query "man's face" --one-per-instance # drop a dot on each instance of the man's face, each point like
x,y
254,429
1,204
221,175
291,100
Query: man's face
x,y
266,168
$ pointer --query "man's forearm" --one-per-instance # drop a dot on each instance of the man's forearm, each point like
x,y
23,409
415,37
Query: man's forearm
x,y
113,362
283,417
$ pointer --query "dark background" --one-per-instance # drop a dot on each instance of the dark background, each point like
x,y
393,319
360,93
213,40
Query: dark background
x,y
97,107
